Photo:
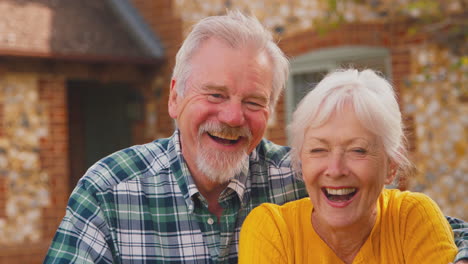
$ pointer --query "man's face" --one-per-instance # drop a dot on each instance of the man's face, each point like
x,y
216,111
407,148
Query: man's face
x,y
223,114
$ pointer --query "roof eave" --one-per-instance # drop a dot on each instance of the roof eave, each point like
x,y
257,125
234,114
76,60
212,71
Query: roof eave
x,y
78,57
136,26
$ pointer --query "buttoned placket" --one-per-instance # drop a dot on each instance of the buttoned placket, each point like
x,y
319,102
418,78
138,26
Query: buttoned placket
x,y
218,235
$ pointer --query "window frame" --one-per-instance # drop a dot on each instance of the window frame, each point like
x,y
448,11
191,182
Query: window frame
x,y
328,59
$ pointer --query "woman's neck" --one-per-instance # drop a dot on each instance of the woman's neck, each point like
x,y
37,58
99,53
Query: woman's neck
x,y
345,241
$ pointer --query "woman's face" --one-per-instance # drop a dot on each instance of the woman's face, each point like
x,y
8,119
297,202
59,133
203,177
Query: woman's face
x,y
344,167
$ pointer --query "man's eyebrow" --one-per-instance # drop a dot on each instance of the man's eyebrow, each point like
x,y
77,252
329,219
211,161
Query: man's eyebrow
x,y
214,87
259,97
221,88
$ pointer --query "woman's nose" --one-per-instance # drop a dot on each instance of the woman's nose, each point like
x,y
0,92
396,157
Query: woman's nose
x,y
336,165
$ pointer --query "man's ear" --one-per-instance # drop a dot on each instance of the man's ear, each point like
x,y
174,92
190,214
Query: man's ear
x,y
393,168
172,103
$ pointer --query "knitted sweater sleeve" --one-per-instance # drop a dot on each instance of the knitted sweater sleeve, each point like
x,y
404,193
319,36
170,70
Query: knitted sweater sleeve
x,y
428,237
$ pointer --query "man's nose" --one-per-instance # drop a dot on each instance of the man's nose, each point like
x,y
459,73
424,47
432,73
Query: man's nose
x,y
232,114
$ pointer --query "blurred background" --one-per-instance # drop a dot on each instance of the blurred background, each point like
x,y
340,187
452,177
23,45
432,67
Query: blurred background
x,y
82,79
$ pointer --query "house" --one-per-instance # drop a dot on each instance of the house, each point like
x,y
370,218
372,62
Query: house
x,y
81,79
78,81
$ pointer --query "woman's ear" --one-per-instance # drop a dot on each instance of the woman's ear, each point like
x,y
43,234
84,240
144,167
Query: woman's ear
x,y
391,173
173,100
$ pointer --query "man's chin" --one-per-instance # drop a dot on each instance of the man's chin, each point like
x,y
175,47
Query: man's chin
x,y
217,174
221,179
221,171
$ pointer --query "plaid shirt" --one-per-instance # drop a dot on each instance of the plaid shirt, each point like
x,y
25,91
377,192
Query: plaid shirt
x,y
140,205
460,229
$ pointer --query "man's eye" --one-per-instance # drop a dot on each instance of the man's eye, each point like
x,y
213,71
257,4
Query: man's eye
x,y
215,98
254,106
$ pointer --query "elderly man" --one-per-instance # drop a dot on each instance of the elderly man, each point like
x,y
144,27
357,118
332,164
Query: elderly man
x,y
183,199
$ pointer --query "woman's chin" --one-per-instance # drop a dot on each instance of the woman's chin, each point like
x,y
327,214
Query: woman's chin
x,y
335,220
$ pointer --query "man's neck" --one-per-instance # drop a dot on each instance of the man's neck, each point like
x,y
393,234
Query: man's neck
x,y
211,192
209,189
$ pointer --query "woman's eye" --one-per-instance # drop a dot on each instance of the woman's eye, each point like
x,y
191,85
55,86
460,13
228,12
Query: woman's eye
x,y
317,150
359,150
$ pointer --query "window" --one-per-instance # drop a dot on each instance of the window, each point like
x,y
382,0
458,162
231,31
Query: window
x,y
307,70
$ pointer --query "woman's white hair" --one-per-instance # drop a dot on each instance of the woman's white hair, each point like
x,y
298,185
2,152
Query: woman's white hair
x,y
374,102
237,30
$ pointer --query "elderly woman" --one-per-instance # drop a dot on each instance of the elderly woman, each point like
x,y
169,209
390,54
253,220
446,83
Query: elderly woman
x,y
348,142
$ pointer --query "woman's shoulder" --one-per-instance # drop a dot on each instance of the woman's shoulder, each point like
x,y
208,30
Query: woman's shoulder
x,y
406,198
406,203
276,212
418,227
281,209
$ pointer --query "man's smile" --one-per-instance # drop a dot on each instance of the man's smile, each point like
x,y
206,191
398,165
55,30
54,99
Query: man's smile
x,y
225,139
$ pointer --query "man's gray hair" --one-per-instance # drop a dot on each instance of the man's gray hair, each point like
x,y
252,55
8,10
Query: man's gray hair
x,y
237,30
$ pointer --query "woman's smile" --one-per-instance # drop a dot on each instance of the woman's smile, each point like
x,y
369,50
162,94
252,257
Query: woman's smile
x,y
337,194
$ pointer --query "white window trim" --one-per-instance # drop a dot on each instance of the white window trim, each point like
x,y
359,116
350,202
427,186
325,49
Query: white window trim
x,y
329,59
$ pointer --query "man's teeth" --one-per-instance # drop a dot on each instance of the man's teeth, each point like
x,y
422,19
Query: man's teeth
x,y
224,136
342,191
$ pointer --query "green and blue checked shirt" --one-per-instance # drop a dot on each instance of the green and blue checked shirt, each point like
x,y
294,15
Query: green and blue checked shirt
x,y
140,205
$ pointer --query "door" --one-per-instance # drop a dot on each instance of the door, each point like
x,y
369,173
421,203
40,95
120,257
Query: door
x,y
99,123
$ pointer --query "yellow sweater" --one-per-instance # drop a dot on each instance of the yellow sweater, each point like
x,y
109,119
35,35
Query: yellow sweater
x,y
410,228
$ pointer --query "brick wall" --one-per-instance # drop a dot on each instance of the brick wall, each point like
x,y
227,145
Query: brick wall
x,y
54,150
168,26
45,82
34,126
433,99
368,34
50,86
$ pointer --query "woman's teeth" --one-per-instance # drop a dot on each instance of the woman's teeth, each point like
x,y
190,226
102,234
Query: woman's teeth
x,y
339,195
343,191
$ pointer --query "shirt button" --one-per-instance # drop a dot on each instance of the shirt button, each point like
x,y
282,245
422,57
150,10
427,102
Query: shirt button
x,y
210,221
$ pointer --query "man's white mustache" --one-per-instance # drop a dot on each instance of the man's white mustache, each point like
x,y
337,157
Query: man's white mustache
x,y
216,127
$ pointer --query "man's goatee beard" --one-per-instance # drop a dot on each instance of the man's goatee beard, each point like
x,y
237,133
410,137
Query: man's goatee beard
x,y
221,166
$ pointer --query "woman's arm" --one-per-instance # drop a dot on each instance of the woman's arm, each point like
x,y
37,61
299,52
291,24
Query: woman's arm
x,y
428,237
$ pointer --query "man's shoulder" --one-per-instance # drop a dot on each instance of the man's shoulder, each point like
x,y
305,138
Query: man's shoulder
x,y
273,153
137,161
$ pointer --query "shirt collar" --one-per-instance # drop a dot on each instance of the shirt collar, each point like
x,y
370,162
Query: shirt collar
x,y
181,173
